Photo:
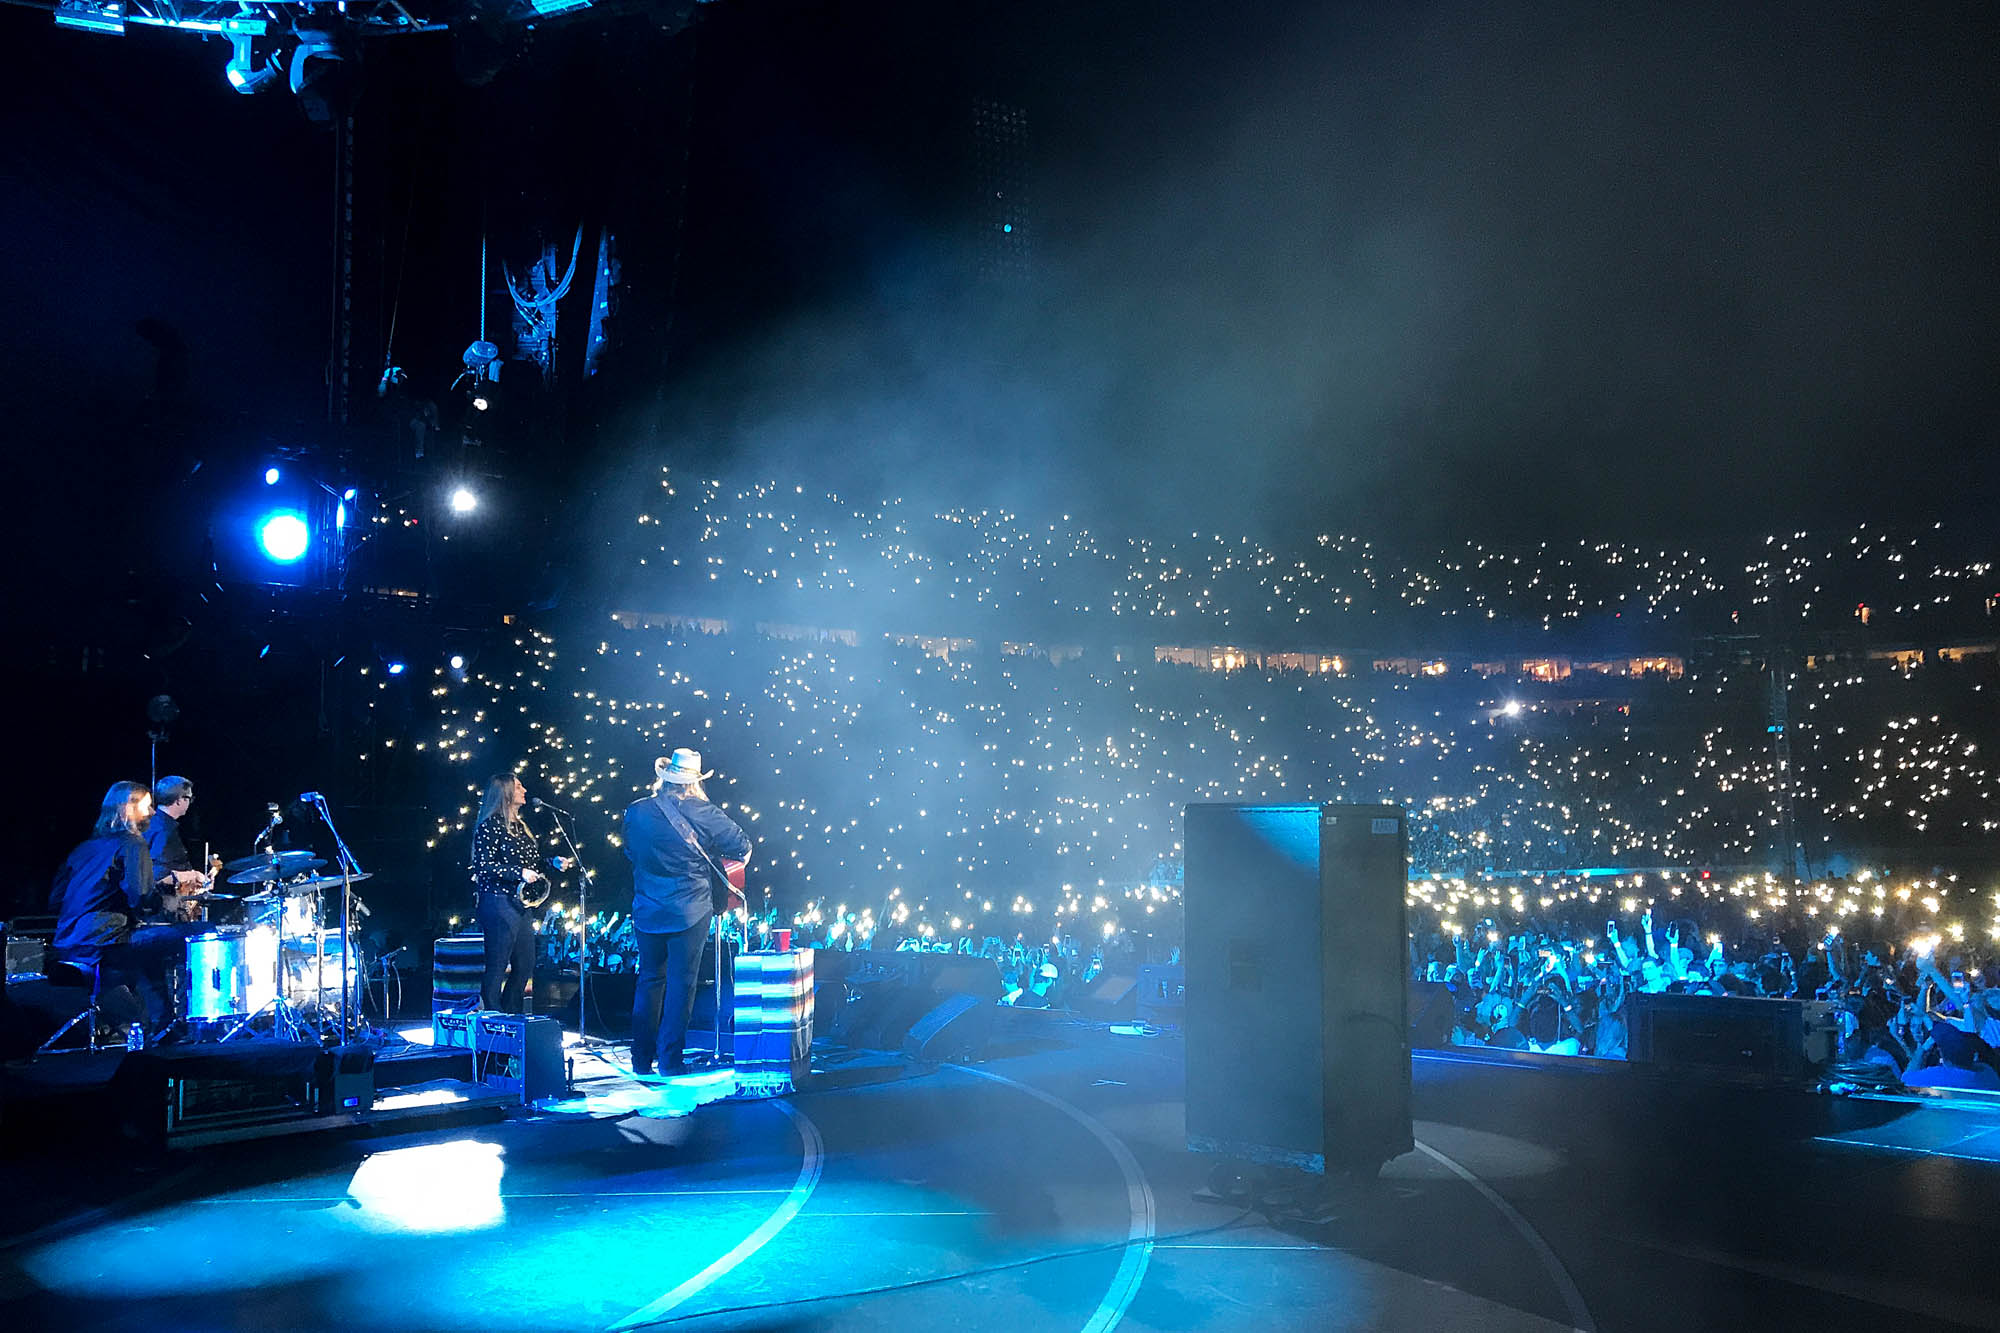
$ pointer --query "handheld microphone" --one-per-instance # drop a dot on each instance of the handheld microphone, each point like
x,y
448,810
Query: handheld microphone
x,y
271,807
311,796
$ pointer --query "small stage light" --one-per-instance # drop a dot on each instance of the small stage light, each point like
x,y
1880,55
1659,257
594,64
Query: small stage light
x,y
480,402
105,16
348,495
283,536
271,476
463,501
245,75
458,661
322,76
397,668
1513,708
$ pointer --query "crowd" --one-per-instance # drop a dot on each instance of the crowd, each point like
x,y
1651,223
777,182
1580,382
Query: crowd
x,y
921,754
1919,1014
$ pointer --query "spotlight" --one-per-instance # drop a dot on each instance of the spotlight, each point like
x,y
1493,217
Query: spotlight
x,y
323,78
348,494
463,501
245,75
92,16
283,535
458,661
397,668
271,476
1513,708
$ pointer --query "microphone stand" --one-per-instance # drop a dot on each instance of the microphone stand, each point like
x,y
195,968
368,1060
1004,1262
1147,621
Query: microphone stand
x,y
349,868
584,880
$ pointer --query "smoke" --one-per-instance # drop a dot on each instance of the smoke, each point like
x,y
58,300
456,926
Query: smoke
x,y
1427,273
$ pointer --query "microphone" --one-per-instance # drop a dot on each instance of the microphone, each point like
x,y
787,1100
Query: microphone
x,y
311,796
272,808
541,804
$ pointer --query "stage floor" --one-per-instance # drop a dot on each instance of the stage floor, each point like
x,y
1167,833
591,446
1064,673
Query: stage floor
x,y
1046,1189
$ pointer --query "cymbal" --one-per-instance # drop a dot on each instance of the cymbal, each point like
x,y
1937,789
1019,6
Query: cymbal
x,y
325,882
279,865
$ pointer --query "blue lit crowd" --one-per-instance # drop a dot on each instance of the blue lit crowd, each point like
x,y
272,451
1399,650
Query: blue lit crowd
x,y
974,731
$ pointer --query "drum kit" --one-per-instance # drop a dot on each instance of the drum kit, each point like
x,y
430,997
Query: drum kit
x,y
282,961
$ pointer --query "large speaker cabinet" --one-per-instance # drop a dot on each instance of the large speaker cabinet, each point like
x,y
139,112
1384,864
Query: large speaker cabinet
x,y
1297,1002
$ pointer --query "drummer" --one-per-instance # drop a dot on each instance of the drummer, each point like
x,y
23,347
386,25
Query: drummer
x,y
96,899
173,870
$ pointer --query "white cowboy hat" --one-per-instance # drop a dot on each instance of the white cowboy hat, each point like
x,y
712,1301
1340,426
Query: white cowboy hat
x,y
681,768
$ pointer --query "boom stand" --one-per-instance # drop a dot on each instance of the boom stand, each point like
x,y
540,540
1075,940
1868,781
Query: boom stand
x,y
583,883
349,868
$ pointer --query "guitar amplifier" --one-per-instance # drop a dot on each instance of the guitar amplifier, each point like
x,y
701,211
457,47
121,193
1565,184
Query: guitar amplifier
x,y
516,1053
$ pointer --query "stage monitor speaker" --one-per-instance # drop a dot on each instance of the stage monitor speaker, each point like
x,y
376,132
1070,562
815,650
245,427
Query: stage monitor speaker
x,y
1109,996
958,1029
1764,1038
1297,1007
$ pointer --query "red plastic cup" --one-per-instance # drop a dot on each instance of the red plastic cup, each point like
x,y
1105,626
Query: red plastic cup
x,y
784,940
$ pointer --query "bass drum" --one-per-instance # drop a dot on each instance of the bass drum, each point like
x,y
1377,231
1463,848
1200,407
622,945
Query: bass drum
x,y
231,973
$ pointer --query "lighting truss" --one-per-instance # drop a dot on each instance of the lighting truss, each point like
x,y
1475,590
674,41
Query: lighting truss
x,y
367,18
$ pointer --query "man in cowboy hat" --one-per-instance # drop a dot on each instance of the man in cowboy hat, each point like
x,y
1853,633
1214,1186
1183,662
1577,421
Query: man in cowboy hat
x,y
674,837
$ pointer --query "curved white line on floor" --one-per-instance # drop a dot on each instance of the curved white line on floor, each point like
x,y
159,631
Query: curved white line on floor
x,y
1138,1250
811,1162
1579,1313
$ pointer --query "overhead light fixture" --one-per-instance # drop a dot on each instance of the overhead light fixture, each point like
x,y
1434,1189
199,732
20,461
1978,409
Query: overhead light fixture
x,y
243,71
105,16
322,76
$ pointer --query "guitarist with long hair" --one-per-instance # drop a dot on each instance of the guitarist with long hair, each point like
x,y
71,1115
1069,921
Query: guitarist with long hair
x,y
508,880
673,837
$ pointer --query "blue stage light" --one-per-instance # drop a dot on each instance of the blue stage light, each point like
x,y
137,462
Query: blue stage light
x,y
283,535
90,16
547,7
397,668
271,476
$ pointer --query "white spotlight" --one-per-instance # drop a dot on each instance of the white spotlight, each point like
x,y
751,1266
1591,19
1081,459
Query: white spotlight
x,y
463,501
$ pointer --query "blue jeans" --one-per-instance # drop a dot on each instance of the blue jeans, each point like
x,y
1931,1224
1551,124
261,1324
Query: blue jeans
x,y
510,939
663,998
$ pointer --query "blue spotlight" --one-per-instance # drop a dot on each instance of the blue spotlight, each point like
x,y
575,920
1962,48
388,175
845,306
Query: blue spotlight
x,y
397,668
271,476
283,535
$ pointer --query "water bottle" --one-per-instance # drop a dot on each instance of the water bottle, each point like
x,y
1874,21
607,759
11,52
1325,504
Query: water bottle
x,y
135,1037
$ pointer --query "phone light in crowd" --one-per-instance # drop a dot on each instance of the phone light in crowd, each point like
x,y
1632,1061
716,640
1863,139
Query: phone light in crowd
x,y
271,476
396,668
283,536
463,501
480,402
